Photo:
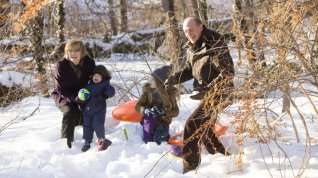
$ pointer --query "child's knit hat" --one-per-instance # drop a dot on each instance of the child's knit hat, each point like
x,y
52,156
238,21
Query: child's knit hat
x,y
162,73
100,69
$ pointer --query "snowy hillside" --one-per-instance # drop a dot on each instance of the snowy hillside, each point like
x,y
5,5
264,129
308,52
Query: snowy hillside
x,y
32,148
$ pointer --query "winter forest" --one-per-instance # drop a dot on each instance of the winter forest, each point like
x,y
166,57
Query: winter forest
x,y
272,115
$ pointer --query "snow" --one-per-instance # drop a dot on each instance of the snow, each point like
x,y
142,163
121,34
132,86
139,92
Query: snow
x,y
32,148
10,78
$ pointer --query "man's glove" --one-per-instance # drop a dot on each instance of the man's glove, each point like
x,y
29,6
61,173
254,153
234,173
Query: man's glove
x,y
154,112
199,93
171,80
198,96
202,89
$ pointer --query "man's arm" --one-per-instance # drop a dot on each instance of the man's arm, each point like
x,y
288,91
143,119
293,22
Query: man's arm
x,y
179,77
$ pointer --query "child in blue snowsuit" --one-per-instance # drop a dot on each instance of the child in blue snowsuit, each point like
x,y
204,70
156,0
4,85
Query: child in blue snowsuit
x,y
158,105
95,109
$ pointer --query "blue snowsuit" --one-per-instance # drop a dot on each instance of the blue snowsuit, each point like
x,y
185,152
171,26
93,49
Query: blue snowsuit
x,y
95,109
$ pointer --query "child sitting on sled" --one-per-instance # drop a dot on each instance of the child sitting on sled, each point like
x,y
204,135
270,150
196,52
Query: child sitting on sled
x,y
158,105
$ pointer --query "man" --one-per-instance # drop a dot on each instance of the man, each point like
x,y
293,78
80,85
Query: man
x,y
210,64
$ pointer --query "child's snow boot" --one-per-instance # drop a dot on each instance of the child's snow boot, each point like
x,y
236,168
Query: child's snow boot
x,y
85,148
103,144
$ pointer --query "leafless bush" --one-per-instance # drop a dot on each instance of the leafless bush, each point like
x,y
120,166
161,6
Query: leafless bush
x,y
13,94
286,34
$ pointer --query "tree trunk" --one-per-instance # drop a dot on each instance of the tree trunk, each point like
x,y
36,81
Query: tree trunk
x,y
247,29
184,9
123,16
172,42
195,7
286,95
36,38
282,59
5,9
35,28
314,60
60,18
260,47
203,11
112,17
200,9
315,45
244,30
36,41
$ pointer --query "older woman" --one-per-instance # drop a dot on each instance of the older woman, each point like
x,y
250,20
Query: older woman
x,y
72,74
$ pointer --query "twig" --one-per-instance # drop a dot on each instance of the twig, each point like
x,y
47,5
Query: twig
x,y
156,163
3,128
294,125
278,119
308,144
310,100
163,168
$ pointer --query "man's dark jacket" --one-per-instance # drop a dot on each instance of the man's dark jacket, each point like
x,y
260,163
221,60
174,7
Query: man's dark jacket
x,y
67,82
208,62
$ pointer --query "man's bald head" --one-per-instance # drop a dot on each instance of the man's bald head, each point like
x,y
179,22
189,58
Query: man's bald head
x,y
193,19
192,27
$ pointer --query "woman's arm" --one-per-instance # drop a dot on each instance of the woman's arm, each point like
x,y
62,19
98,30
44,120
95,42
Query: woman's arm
x,y
61,83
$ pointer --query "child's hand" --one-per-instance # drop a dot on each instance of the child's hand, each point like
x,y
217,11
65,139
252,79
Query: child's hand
x,y
148,112
154,112
78,101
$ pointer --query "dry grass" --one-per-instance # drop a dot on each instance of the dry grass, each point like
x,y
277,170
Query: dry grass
x,y
13,94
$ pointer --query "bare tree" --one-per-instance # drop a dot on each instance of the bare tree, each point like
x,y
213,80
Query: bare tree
x,y
195,7
315,44
60,18
242,29
35,29
123,16
112,17
36,38
203,10
183,9
200,8
5,9
172,41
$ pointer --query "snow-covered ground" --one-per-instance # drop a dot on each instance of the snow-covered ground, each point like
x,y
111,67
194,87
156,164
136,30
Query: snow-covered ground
x,y
31,145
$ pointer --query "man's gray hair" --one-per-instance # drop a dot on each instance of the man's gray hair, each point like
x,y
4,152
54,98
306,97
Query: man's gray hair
x,y
195,19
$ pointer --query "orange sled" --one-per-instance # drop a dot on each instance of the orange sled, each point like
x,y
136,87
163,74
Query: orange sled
x,y
218,130
126,112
